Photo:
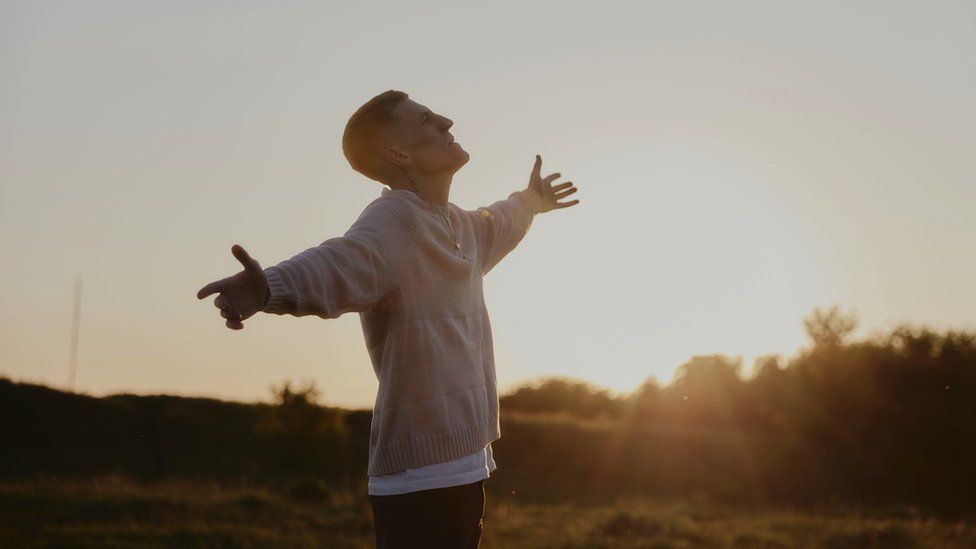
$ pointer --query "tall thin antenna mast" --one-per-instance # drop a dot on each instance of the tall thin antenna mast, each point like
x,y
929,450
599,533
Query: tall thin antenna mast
x,y
76,320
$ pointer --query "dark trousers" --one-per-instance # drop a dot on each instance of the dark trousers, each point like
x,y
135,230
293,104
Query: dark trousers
x,y
448,518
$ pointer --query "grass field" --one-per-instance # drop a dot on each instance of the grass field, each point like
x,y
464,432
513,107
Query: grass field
x,y
114,511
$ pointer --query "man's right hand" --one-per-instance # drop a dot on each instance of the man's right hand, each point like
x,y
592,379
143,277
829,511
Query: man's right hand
x,y
241,295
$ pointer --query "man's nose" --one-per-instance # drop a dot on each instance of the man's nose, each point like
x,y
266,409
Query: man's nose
x,y
446,122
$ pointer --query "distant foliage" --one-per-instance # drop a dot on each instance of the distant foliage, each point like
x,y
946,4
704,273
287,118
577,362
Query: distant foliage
x,y
830,328
297,413
151,437
887,420
306,435
563,396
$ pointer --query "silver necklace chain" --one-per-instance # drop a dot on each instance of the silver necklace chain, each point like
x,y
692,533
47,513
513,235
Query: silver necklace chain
x,y
450,227
447,220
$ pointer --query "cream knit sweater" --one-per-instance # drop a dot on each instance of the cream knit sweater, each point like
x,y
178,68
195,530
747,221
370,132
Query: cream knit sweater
x,y
415,281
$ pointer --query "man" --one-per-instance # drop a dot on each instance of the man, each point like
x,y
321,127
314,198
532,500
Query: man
x,y
411,266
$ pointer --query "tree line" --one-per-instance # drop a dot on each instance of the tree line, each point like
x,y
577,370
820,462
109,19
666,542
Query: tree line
x,y
890,420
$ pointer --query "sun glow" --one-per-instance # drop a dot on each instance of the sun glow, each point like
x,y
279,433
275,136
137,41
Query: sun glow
x,y
697,255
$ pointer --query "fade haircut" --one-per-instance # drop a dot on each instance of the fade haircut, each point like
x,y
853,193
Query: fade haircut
x,y
365,133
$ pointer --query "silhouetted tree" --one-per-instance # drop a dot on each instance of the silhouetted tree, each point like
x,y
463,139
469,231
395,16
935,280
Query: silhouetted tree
x,y
707,390
563,396
829,328
306,434
644,404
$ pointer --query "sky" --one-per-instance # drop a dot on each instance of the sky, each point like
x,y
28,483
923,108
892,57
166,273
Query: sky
x,y
738,164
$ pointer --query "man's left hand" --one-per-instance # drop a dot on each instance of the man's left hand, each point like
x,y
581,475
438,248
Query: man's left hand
x,y
548,194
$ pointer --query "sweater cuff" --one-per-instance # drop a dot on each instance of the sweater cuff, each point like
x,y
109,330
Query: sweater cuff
x,y
277,292
530,200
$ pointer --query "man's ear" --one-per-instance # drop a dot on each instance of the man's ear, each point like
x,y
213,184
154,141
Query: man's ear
x,y
396,157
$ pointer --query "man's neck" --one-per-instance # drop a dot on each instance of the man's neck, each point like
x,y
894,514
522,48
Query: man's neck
x,y
435,189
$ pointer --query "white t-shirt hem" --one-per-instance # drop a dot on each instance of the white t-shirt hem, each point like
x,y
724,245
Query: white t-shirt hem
x,y
440,482
464,470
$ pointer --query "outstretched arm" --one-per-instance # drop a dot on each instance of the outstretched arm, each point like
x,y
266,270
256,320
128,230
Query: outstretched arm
x,y
345,274
352,273
502,225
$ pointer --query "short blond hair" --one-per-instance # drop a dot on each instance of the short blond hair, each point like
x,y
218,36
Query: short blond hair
x,y
366,131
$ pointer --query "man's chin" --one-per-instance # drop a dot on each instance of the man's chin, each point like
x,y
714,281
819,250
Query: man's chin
x,y
462,160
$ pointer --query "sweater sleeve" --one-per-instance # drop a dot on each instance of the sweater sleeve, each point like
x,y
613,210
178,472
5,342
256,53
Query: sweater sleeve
x,y
501,226
351,273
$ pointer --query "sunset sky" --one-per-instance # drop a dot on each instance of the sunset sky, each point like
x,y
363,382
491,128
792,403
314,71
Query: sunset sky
x,y
739,164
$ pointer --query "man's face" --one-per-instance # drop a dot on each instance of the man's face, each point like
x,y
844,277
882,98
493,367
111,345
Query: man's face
x,y
423,137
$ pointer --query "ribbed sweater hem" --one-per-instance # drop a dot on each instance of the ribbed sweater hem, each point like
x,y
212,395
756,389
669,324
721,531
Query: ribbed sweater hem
x,y
434,448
